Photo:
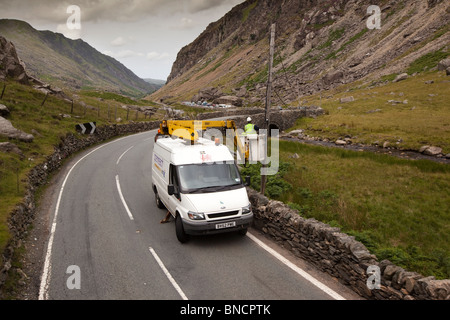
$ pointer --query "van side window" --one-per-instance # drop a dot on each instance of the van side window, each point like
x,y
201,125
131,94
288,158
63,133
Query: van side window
x,y
173,180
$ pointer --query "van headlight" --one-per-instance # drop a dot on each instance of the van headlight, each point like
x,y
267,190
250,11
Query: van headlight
x,y
196,215
247,209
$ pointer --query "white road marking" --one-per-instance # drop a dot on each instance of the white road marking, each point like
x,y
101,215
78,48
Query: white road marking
x,y
120,158
45,278
168,275
298,270
123,199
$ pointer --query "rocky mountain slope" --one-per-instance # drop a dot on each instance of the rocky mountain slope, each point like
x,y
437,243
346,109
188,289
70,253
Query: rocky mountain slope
x,y
10,64
68,63
319,45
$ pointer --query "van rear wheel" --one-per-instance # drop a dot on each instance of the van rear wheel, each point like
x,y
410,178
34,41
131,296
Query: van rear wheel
x,y
181,235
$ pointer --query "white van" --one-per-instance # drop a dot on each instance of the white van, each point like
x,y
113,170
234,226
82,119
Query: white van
x,y
200,185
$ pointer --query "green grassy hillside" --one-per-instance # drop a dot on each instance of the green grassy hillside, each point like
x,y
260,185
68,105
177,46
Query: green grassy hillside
x,y
398,208
48,124
407,114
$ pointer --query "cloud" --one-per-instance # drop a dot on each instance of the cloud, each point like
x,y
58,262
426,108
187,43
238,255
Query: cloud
x,y
184,24
118,42
123,54
127,53
145,34
108,53
186,21
157,56
152,56
55,11
195,6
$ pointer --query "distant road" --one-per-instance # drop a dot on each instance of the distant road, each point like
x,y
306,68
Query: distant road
x,y
107,226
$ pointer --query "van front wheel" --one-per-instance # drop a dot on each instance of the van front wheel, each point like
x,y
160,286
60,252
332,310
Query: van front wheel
x,y
181,235
243,232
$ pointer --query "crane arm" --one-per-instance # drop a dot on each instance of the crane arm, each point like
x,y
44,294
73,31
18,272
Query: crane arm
x,y
188,130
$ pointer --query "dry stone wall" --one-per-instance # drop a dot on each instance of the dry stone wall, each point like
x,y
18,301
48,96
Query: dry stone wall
x,y
282,119
341,256
229,113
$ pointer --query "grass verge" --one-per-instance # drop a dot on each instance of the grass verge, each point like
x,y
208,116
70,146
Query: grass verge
x,y
49,122
398,208
408,114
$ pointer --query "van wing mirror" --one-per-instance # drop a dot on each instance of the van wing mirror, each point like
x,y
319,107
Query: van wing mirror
x,y
171,189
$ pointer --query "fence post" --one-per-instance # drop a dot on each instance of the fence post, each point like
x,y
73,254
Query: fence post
x,y
3,91
45,99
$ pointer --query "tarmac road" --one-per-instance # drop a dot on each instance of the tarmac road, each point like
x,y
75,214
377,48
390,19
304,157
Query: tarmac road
x,y
106,242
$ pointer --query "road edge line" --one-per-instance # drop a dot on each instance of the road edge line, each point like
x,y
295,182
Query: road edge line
x,y
45,279
296,269
47,267
167,273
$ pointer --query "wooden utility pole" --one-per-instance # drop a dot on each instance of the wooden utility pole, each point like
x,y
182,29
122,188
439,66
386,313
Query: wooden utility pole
x,y
269,99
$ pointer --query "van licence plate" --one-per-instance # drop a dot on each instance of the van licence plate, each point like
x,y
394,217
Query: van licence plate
x,y
226,225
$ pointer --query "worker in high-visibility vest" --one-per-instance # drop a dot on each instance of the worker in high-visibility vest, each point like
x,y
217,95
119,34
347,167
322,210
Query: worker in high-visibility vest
x,y
250,128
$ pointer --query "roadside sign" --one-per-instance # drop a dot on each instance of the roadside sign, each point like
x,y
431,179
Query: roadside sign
x,y
86,128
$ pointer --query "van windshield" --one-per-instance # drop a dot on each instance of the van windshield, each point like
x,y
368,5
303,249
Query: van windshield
x,y
204,178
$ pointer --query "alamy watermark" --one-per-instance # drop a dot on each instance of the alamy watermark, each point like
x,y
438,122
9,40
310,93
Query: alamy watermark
x,y
74,280
374,21
74,20
374,280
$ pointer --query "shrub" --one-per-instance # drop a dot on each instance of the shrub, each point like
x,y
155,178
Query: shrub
x,y
428,61
275,185
334,35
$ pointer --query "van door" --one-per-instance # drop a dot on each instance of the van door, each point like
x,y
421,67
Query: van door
x,y
174,200
160,168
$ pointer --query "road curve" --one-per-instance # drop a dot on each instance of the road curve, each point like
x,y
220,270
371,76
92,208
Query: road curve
x,y
106,242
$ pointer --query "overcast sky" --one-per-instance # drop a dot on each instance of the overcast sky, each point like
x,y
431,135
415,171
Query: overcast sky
x,y
144,35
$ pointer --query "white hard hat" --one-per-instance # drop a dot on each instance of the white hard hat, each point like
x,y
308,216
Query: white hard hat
x,y
249,119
